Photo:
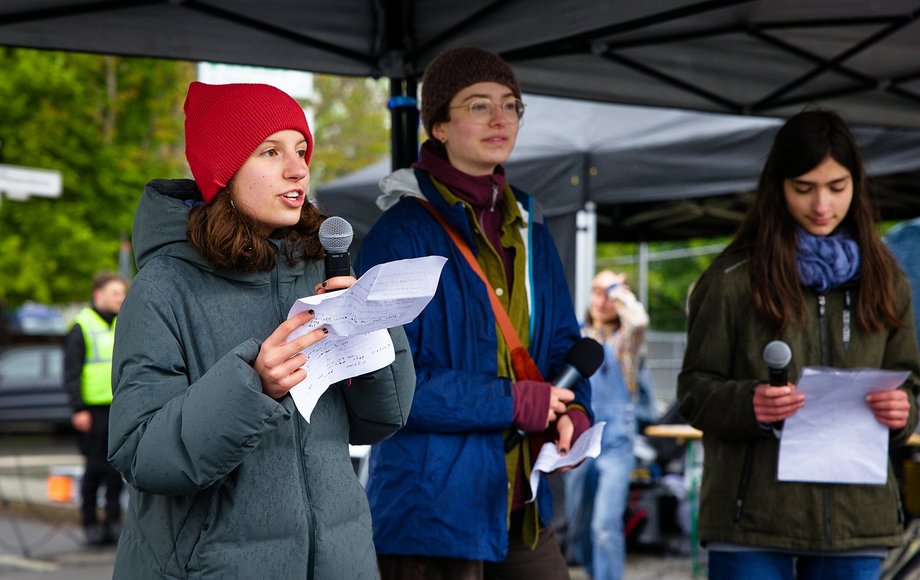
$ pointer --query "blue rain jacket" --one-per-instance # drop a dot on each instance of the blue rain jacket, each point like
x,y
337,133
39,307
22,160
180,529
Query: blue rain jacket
x,y
439,486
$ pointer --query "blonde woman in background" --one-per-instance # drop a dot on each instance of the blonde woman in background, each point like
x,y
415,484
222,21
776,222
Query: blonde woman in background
x,y
597,492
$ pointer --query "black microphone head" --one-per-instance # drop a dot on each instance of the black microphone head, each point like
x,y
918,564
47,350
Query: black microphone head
x,y
585,356
335,235
777,354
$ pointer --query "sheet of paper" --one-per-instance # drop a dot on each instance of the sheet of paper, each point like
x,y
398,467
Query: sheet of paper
x,y
336,358
388,295
835,438
549,460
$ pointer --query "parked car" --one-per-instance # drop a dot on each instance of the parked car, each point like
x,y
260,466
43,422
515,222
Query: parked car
x,y
32,384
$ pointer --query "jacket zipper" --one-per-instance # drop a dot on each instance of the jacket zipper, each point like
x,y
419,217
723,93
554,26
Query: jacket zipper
x,y
275,294
311,554
298,428
745,481
846,321
825,361
822,324
494,196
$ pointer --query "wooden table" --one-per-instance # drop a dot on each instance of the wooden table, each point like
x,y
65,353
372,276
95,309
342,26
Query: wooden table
x,y
679,432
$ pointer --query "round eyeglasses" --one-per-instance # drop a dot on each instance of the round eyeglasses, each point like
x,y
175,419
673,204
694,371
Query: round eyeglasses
x,y
482,110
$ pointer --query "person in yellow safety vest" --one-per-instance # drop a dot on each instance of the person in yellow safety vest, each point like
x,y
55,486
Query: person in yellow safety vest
x,y
88,380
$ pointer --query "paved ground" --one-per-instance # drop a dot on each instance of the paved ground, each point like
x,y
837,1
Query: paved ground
x,y
40,538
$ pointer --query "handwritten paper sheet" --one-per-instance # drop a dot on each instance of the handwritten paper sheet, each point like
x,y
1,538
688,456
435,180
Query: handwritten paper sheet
x,y
549,460
835,438
387,295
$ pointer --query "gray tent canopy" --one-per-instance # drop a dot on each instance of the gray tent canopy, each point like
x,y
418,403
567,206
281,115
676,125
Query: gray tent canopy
x,y
662,173
649,173
757,57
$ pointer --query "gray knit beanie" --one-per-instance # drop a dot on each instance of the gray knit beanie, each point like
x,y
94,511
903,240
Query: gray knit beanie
x,y
454,70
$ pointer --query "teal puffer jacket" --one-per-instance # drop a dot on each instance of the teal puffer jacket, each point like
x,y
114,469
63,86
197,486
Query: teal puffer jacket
x,y
741,500
226,482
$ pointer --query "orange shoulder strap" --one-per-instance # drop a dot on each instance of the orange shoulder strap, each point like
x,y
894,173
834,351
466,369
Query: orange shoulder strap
x,y
524,366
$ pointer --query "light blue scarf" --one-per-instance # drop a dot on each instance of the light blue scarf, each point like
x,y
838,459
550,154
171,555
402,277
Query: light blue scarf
x,y
827,262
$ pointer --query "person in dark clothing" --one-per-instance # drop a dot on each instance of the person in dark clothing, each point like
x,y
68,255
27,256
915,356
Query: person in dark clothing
x,y
88,381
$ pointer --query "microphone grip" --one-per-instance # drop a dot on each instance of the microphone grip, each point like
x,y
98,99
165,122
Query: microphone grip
x,y
338,264
513,440
778,377
566,379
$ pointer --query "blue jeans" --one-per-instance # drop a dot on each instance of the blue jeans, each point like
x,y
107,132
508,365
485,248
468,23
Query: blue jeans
x,y
596,493
786,566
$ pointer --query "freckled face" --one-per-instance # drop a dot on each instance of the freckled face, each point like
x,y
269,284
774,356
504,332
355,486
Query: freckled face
x,y
820,199
271,186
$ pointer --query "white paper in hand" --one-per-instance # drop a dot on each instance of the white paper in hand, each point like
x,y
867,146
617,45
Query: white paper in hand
x,y
549,460
388,295
835,438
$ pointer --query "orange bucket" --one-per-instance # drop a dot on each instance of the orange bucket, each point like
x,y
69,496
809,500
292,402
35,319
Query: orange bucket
x,y
60,488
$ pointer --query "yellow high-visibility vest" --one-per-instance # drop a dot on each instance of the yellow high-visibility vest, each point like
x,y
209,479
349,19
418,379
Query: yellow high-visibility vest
x,y
99,337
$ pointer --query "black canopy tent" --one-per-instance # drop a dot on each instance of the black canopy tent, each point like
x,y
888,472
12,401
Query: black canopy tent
x,y
754,57
748,57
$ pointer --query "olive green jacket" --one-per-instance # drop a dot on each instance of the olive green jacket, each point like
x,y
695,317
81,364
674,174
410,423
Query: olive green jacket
x,y
741,501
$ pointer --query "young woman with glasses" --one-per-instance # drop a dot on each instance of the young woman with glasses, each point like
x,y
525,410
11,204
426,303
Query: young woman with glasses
x,y
450,493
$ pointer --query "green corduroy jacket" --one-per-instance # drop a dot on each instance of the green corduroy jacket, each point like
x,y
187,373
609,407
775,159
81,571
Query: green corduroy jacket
x,y
741,501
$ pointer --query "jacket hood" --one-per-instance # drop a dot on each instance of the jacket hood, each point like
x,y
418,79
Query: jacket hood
x,y
395,186
161,220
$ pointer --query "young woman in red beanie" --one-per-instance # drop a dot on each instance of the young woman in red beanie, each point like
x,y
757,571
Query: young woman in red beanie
x,y
227,479
450,493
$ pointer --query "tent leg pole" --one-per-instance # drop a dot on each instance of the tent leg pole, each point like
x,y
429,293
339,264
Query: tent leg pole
x,y
403,106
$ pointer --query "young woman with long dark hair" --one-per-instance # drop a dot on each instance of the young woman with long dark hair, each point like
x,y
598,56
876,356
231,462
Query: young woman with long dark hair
x,y
807,267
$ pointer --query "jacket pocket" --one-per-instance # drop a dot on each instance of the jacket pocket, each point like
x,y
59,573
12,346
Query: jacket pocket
x,y
744,482
189,534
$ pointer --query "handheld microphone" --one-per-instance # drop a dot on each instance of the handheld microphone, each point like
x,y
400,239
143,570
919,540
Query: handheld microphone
x,y
582,361
335,235
777,355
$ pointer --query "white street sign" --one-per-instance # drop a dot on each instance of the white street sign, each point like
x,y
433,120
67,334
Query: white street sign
x,y
21,182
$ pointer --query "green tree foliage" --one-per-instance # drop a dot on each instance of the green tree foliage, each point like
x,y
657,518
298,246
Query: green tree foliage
x,y
351,126
108,125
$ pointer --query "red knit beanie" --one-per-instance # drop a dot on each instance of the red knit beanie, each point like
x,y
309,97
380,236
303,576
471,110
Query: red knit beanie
x,y
225,123
454,70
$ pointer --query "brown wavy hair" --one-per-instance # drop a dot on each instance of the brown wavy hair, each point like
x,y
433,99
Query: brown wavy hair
x,y
770,231
228,239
